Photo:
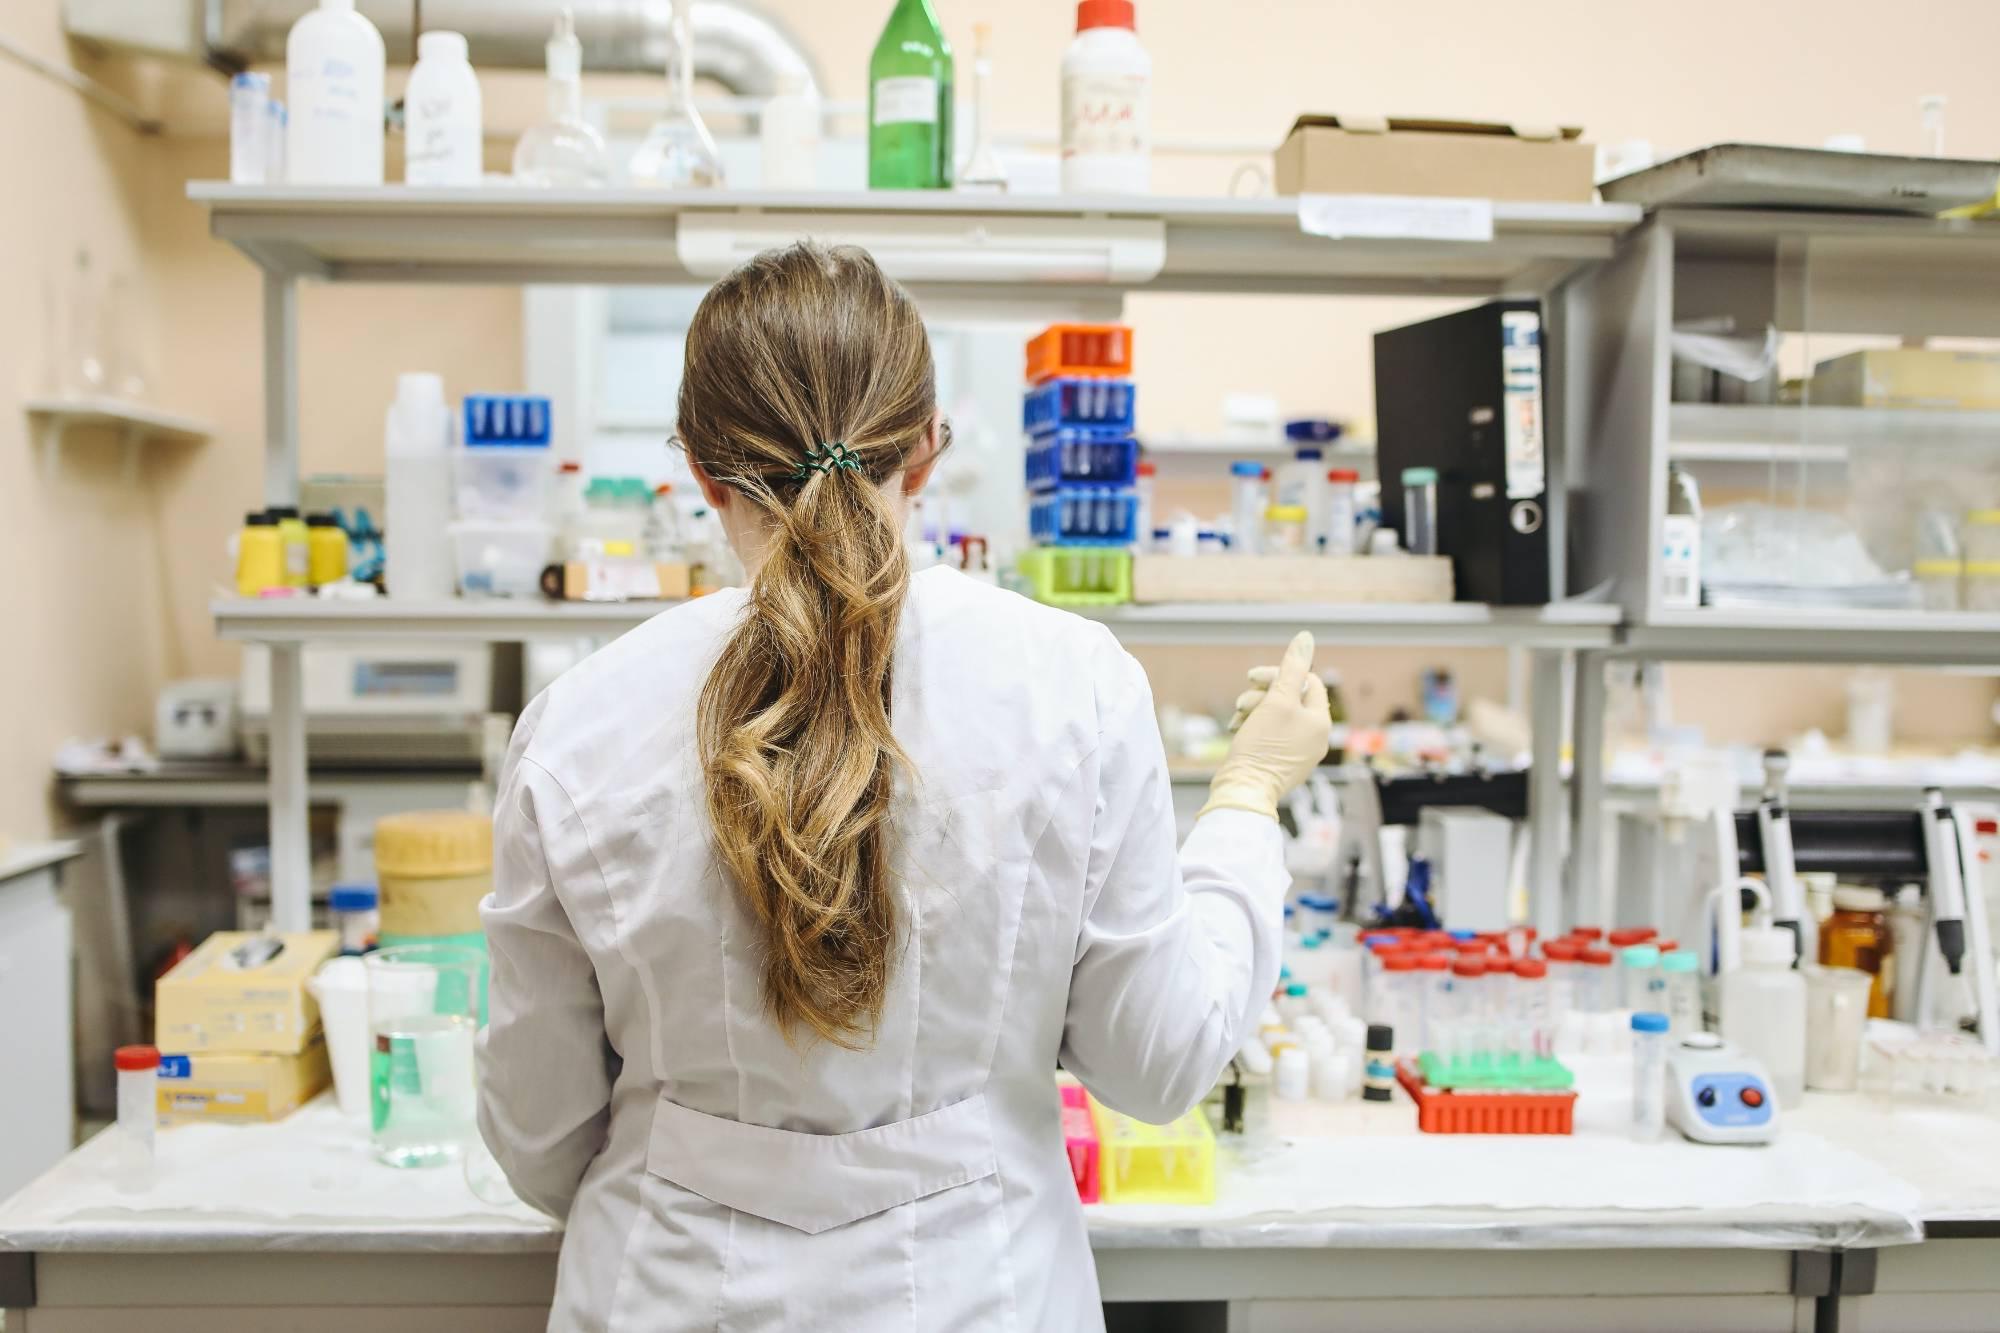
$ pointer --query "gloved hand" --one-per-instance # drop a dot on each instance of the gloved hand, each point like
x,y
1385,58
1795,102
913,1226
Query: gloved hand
x,y
1282,738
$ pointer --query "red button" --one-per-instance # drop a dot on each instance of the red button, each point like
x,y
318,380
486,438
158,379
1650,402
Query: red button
x,y
1751,1097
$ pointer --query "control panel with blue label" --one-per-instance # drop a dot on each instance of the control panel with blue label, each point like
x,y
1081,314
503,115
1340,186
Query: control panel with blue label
x,y
1718,1094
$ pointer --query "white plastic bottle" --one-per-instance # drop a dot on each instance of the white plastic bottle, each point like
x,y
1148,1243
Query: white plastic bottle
x,y
789,133
250,121
441,114
333,82
1107,78
417,442
1764,1010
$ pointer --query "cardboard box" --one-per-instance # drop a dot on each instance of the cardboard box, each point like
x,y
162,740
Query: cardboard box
x,y
1467,159
226,1085
620,581
243,992
1909,377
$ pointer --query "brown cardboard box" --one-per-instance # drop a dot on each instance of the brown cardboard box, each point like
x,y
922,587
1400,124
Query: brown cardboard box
x,y
242,992
1455,158
1934,377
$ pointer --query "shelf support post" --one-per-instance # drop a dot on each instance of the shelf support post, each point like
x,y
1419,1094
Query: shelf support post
x,y
1584,874
291,846
281,389
1545,790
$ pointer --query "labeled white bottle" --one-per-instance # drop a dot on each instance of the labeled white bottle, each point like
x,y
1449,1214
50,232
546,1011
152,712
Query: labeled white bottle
x,y
1764,1009
789,133
417,444
333,82
1107,79
441,114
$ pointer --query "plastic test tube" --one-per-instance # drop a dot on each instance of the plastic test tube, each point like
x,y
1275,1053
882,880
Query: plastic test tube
x,y
1336,534
1534,1018
1468,1000
1562,956
1644,989
1247,507
1594,981
1681,971
1434,978
1649,1076
138,1113
1405,998
1420,498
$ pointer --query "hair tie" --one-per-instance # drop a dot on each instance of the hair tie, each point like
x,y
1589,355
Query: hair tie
x,y
825,458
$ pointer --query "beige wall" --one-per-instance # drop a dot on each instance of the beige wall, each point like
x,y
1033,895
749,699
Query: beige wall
x,y
116,600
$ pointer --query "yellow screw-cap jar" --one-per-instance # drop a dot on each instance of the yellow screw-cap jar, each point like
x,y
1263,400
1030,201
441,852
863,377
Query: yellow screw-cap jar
x,y
433,867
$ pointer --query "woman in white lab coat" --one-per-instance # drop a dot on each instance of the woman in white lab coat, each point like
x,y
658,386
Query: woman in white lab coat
x,y
803,891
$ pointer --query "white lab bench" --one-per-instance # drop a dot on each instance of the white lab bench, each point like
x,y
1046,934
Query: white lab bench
x,y
293,1226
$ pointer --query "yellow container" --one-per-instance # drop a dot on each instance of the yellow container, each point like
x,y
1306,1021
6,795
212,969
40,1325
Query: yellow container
x,y
260,555
326,550
210,1085
1142,1163
292,532
433,867
1077,575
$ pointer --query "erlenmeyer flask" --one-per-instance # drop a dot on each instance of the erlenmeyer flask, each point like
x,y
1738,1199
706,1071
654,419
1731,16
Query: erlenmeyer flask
x,y
679,153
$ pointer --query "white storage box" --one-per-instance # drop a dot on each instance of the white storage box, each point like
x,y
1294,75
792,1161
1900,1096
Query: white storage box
x,y
499,557
504,481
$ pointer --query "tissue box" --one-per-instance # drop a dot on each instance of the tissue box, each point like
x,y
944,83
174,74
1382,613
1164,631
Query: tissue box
x,y
1909,377
223,1085
243,992
1465,159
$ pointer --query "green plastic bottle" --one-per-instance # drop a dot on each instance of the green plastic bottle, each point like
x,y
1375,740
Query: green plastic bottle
x,y
909,102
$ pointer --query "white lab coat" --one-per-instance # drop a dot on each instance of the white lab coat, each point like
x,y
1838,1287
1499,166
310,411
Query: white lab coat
x,y
714,1176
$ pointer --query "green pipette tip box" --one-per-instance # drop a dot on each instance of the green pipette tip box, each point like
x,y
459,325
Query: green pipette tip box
x,y
1498,1072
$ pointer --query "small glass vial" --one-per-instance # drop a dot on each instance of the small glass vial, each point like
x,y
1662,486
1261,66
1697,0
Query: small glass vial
x,y
357,915
1642,985
138,1115
1649,1076
1379,1075
1680,971
1342,513
1420,500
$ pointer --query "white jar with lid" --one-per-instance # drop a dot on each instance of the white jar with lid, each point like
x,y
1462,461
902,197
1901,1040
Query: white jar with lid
x,y
1107,79
442,114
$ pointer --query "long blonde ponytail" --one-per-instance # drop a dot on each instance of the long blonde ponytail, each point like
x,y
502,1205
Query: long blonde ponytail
x,y
808,384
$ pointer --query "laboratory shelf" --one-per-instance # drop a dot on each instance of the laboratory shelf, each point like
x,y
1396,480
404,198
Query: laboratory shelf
x,y
1711,432
135,422
324,620
1887,638
1565,625
942,240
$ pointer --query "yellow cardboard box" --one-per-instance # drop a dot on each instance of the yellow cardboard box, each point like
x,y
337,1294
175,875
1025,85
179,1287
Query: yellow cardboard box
x,y
1934,377
243,992
223,1085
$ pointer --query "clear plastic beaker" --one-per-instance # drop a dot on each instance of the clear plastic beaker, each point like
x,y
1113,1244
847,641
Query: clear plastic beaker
x,y
1836,1018
424,1005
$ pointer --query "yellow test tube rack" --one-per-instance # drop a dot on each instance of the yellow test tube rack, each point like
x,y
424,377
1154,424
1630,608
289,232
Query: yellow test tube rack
x,y
1142,1163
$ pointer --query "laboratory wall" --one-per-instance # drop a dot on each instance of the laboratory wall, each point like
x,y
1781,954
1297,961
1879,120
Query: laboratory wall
x,y
116,575
86,598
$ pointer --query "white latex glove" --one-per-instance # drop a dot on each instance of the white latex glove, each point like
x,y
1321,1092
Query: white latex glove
x,y
1260,681
1282,739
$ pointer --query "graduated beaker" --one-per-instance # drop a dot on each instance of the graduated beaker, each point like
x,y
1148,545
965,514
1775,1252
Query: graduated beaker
x,y
1836,1017
423,1010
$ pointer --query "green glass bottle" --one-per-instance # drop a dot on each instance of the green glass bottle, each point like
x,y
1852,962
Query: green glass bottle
x,y
909,102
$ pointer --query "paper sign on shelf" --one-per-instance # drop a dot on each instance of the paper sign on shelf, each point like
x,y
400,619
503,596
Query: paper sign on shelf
x,y
1396,217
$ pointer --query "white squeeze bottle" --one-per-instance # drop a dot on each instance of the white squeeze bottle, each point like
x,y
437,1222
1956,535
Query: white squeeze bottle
x,y
1764,1009
1107,78
441,114
333,78
789,132
417,441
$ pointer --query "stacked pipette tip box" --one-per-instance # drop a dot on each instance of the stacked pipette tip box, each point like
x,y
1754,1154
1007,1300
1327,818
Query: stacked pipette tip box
x,y
1081,463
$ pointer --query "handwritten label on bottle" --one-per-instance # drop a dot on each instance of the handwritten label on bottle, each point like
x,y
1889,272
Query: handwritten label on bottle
x,y
1103,113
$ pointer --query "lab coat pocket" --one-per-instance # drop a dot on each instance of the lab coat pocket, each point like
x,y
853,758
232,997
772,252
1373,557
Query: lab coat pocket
x,y
816,1182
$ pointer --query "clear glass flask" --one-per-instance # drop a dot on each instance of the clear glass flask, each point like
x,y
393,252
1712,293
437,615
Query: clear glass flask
x,y
983,169
679,153
563,151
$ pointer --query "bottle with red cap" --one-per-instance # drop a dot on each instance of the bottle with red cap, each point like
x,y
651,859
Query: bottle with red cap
x,y
1107,79
138,1114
